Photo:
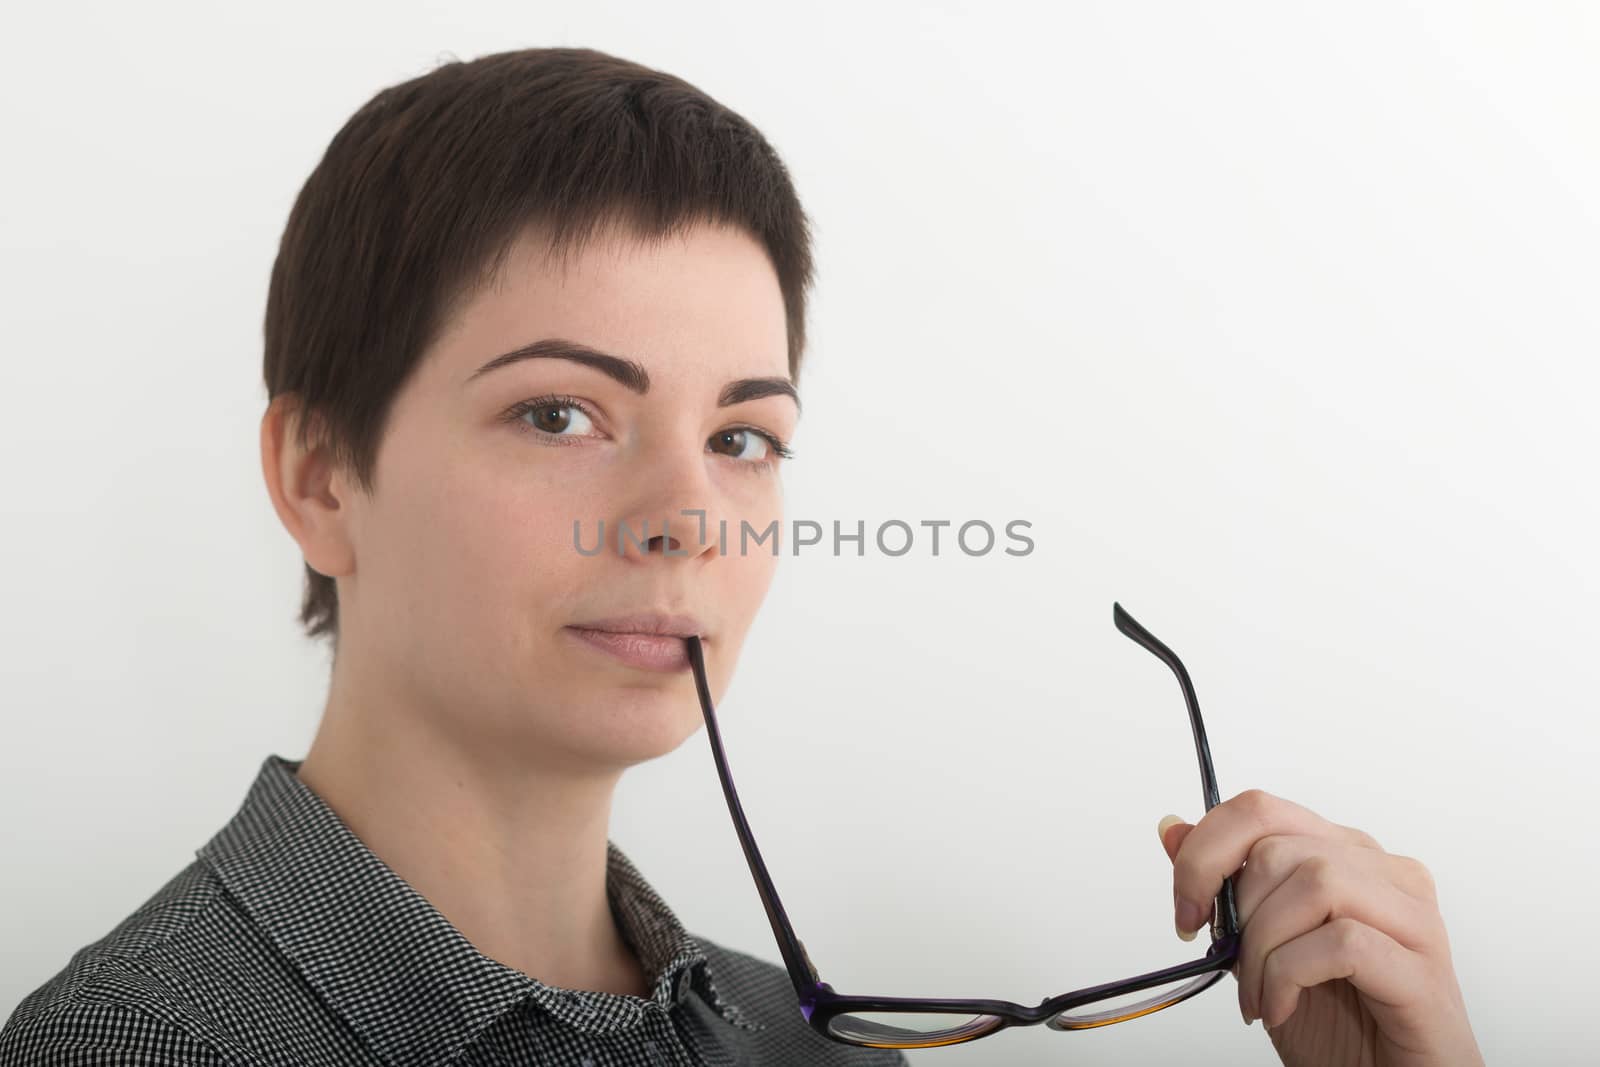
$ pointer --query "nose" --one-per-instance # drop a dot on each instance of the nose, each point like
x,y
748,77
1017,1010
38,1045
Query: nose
x,y
674,509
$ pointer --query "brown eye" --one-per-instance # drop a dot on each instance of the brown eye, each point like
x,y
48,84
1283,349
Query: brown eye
x,y
738,444
558,418
552,419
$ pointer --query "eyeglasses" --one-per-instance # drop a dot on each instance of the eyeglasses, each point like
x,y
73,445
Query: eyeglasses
x,y
917,1022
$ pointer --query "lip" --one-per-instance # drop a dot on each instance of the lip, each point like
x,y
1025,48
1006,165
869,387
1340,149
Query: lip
x,y
651,641
661,623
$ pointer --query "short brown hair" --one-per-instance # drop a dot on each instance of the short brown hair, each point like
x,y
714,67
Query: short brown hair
x,y
421,195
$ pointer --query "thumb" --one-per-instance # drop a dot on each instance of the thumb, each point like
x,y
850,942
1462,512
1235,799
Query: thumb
x,y
1172,830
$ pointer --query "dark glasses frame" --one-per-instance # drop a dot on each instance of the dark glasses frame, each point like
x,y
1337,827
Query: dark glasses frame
x,y
827,1010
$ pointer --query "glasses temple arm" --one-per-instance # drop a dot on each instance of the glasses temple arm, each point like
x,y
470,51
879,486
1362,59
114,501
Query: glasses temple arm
x,y
1227,918
794,953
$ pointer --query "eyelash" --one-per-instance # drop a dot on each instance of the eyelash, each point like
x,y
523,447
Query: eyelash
x,y
517,410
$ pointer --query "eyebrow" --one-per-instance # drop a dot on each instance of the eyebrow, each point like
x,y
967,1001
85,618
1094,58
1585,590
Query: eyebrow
x,y
632,375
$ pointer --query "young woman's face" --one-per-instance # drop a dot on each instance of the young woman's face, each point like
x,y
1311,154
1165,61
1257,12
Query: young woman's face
x,y
468,580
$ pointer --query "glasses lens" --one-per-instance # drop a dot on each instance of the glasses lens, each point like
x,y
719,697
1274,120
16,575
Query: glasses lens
x,y
909,1028
1132,1005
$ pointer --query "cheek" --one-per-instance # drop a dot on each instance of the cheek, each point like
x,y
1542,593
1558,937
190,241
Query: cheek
x,y
752,572
503,548
746,572
763,512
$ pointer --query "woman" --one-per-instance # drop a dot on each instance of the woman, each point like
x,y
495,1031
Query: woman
x,y
520,301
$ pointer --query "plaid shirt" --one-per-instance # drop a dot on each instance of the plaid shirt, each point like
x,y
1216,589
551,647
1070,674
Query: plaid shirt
x,y
288,941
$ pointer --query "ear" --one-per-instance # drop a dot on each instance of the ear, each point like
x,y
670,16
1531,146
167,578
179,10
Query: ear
x,y
312,497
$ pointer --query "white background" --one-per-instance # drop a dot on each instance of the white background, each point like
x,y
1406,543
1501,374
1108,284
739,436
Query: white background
x,y
1277,321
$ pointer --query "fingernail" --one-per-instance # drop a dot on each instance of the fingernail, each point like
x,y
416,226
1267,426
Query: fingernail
x,y
1166,823
1190,917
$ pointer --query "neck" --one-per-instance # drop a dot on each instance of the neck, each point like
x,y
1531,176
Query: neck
x,y
511,851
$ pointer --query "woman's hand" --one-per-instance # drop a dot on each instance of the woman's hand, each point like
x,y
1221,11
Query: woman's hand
x,y
1344,956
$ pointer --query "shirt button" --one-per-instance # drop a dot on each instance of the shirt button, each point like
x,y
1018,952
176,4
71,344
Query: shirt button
x,y
683,986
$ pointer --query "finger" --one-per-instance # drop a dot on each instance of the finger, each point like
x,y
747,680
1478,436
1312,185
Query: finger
x,y
1360,837
1323,889
1172,830
1275,857
1375,963
1221,840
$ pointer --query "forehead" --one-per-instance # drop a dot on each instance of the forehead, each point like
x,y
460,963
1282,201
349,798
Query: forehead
x,y
706,297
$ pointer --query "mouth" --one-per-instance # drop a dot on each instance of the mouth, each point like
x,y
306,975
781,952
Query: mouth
x,y
654,623
651,642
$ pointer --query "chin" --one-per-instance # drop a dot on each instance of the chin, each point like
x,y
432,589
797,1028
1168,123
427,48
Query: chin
x,y
636,725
